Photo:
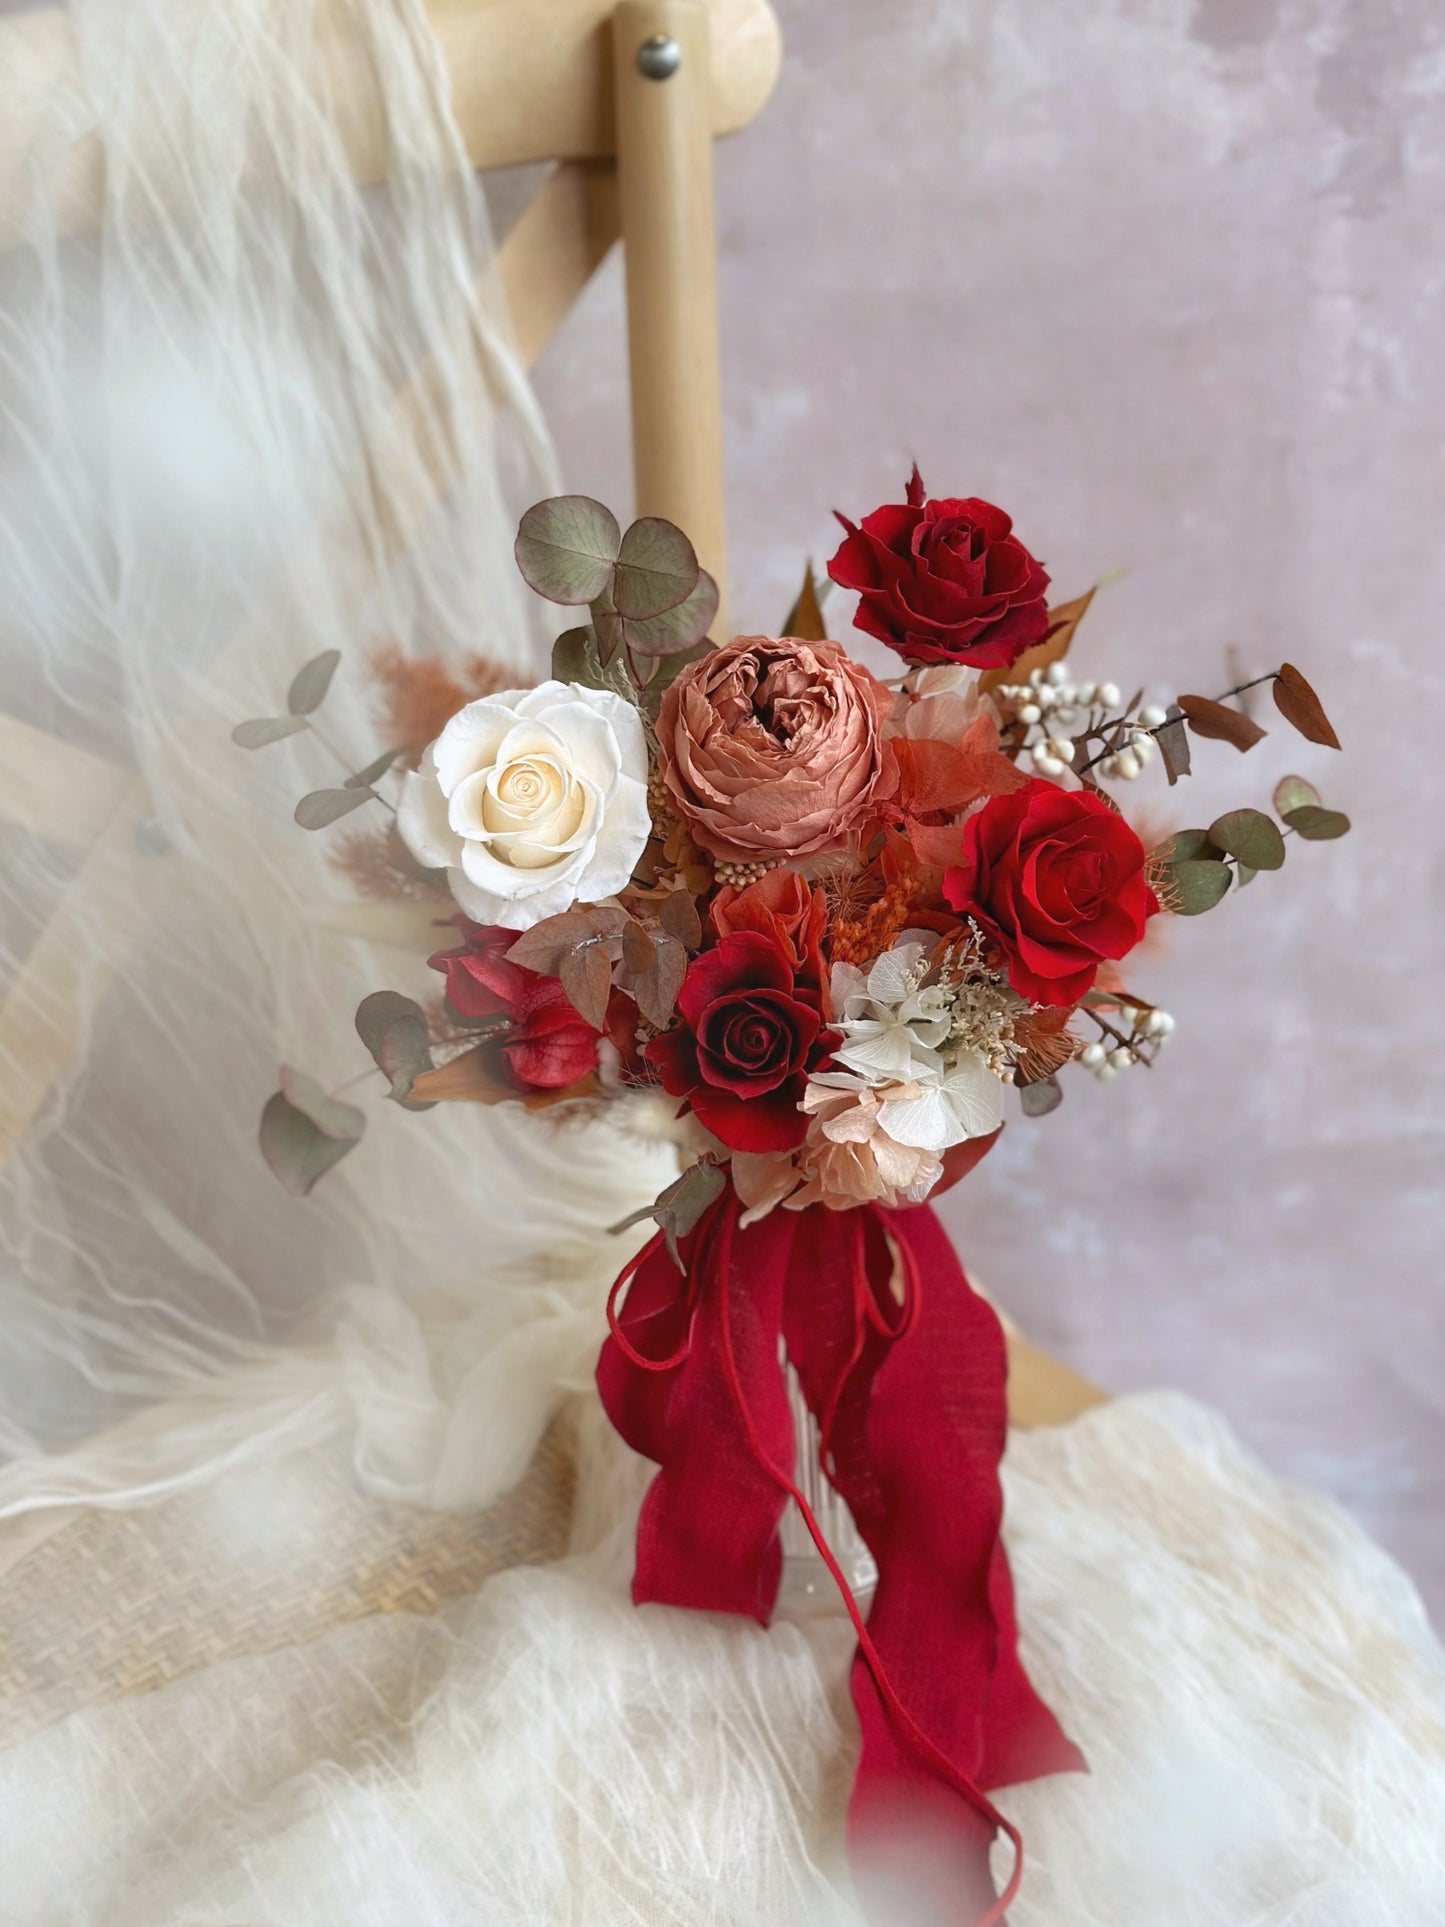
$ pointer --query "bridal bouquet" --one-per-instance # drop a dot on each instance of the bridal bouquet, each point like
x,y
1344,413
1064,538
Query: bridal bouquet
x,y
817,923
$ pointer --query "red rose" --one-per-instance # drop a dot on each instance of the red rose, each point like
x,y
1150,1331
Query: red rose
x,y
742,1051
1056,879
540,1042
792,913
943,581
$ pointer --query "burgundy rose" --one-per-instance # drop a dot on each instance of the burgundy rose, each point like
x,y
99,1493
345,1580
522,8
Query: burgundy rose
x,y
539,1041
943,581
745,1043
1055,878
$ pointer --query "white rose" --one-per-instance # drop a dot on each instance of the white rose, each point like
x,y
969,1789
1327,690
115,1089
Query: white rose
x,y
531,800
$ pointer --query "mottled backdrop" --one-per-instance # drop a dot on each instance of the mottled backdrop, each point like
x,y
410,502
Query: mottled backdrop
x,y
1165,278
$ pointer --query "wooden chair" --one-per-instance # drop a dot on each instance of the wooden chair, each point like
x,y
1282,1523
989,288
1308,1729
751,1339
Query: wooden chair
x,y
626,99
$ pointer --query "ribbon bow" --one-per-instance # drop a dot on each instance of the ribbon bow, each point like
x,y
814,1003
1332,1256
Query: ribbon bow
x,y
903,1365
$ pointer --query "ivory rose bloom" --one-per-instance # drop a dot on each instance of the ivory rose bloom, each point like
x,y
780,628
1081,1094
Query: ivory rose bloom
x,y
773,749
530,800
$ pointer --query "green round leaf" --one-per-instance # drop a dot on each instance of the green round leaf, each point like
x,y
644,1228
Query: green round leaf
x,y
567,546
677,629
311,682
1199,883
1316,825
261,730
320,807
1186,844
394,1029
304,1132
656,570
1293,793
1250,836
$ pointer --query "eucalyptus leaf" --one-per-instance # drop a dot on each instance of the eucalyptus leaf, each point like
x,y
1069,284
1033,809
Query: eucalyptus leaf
x,y
657,569
1045,1094
261,730
304,1132
320,807
676,629
1185,844
1249,836
379,765
394,1029
311,682
1199,883
1243,874
1317,825
567,547
1294,793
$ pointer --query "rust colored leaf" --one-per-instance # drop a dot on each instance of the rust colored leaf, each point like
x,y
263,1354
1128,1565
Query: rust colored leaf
x,y
636,946
1173,741
679,919
471,1078
1055,645
805,618
586,974
1220,723
545,944
1300,706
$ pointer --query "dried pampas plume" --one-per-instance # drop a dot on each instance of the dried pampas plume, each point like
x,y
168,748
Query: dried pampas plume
x,y
421,694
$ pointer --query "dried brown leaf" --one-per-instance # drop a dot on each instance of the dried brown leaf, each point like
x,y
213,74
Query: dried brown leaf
x,y
679,918
543,947
1220,723
1055,645
1300,706
586,974
472,1078
805,618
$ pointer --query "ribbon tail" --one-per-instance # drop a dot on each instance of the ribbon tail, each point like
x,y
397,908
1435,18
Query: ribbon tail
x,y
707,1535
911,1396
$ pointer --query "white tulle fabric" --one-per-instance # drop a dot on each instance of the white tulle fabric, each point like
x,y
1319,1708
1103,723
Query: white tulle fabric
x,y
1255,1685
206,476
238,428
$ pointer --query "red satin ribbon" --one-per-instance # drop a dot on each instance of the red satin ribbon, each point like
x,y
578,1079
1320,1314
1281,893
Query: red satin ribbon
x,y
909,1390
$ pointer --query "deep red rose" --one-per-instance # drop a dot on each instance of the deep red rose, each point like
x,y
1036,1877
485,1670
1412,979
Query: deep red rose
x,y
540,1041
943,581
1056,879
789,911
745,1043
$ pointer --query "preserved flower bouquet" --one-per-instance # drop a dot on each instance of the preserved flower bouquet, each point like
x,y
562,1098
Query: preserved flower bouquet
x,y
814,924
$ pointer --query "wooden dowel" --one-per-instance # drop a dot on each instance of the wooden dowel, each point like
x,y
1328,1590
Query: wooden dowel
x,y
664,169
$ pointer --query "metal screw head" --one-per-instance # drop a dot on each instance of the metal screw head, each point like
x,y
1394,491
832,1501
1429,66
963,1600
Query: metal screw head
x,y
659,57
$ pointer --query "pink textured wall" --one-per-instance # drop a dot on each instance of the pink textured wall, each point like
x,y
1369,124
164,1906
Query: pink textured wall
x,y
1165,279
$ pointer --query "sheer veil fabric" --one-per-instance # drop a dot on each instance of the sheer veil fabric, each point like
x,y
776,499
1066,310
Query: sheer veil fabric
x,y
219,422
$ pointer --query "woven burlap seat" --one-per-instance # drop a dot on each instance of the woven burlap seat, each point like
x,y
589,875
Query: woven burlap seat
x,y
98,1604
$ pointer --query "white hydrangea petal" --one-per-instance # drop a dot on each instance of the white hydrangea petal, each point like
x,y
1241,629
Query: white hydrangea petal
x,y
926,1121
975,1097
883,1054
421,819
890,980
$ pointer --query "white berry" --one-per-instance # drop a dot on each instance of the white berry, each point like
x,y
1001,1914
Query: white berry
x,y
1030,713
1151,715
1092,1056
1109,694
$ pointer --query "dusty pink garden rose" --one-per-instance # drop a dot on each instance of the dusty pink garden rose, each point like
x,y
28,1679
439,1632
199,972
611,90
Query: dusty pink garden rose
x,y
773,748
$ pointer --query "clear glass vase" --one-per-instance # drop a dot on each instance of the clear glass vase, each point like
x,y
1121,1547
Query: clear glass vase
x,y
808,1586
